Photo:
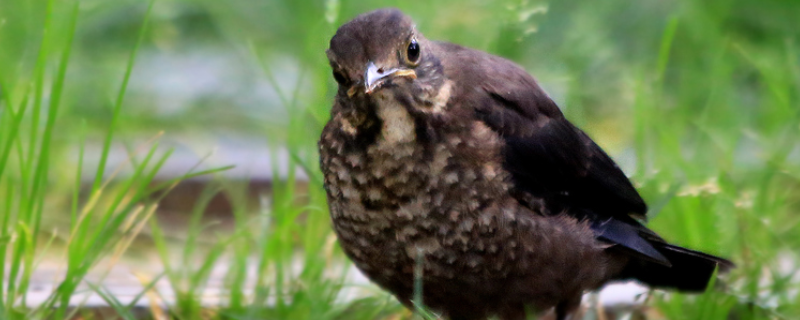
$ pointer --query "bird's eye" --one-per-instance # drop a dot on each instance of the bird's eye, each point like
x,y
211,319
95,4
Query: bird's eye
x,y
340,78
413,51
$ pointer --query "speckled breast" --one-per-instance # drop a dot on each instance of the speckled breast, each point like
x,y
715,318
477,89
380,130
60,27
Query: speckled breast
x,y
398,199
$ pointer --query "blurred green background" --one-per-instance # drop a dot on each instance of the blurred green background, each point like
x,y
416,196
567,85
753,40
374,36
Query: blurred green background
x,y
698,101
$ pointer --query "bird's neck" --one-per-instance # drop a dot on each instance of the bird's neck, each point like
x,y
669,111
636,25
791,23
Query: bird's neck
x,y
397,124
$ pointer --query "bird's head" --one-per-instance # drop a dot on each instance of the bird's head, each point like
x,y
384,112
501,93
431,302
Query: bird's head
x,y
382,51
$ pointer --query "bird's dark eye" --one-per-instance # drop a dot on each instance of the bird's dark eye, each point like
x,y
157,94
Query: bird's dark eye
x,y
340,78
413,51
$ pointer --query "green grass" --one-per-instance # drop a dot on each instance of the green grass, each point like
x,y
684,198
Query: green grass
x,y
700,102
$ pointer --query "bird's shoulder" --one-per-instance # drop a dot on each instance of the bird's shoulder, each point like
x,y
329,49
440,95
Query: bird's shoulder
x,y
547,157
541,146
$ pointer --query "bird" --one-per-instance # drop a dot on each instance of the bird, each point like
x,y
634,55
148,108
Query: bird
x,y
451,168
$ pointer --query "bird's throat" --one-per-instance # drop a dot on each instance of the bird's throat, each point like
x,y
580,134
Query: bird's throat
x,y
397,125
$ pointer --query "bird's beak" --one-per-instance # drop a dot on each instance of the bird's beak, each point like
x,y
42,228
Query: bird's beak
x,y
374,77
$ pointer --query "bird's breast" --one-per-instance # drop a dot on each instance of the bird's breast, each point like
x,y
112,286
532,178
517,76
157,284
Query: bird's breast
x,y
399,197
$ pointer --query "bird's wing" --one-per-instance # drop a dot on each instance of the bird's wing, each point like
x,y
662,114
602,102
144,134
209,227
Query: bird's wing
x,y
551,159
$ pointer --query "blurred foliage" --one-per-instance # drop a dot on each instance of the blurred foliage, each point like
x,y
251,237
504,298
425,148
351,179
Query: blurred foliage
x,y
698,100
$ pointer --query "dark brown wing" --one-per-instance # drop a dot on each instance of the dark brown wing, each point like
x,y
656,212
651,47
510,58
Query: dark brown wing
x,y
551,159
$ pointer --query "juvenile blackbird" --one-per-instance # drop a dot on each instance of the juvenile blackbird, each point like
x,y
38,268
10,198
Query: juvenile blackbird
x,y
456,162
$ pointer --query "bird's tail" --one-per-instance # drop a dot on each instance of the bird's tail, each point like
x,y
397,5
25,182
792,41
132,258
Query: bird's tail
x,y
690,270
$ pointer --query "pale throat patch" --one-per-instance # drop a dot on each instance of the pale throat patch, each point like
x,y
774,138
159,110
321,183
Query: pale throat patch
x,y
398,126
442,97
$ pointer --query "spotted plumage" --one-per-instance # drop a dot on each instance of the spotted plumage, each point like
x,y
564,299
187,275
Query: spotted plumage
x,y
456,161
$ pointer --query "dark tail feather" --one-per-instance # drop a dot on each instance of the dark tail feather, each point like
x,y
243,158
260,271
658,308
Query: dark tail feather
x,y
690,271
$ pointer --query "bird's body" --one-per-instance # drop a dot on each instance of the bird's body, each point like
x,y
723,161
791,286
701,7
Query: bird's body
x,y
455,164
